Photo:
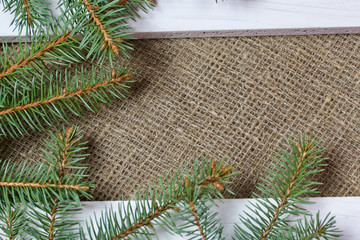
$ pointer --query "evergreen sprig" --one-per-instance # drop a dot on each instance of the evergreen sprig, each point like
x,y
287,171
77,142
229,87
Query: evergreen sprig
x,y
64,156
282,191
13,220
153,207
104,26
31,61
30,15
313,227
43,181
57,96
44,213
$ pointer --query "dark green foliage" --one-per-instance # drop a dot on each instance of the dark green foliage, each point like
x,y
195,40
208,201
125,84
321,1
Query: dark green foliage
x,y
24,182
53,219
282,191
103,25
32,60
12,220
44,212
56,96
198,219
30,15
312,227
154,207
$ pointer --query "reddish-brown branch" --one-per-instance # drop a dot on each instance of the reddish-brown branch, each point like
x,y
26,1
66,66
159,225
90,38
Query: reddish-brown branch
x,y
197,222
64,95
52,220
285,198
44,185
30,59
107,39
144,222
64,155
27,10
317,233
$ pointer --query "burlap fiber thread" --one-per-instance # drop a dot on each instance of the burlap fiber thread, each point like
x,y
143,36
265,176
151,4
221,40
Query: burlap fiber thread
x,y
233,97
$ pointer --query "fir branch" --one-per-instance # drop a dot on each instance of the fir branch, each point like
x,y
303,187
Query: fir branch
x,y
314,228
57,93
285,188
30,64
299,164
23,182
30,58
27,10
62,154
63,96
102,25
13,220
107,39
32,15
204,180
16,184
197,222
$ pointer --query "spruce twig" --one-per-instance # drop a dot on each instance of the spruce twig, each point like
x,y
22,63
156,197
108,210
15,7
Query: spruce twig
x,y
107,39
47,103
154,209
63,159
197,222
282,191
39,53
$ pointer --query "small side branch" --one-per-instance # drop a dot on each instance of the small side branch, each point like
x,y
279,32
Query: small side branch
x,y
27,10
144,222
197,222
107,39
32,58
44,185
51,231
64,96
286,196
213,179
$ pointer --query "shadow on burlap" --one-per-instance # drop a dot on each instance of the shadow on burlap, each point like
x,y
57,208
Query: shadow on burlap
x,y
233,97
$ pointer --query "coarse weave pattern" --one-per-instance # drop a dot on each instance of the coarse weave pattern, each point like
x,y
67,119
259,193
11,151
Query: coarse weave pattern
x,y
233,97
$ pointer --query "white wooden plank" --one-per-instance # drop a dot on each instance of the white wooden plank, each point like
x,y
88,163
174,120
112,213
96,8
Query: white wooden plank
x,y
346,210
200,18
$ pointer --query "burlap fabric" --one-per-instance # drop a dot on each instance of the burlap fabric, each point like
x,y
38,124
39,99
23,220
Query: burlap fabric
x,y
233,97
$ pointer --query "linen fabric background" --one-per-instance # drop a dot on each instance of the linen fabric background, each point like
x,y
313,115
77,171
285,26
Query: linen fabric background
x,y
232,97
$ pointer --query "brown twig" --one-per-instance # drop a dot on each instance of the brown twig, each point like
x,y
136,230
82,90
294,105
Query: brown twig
x,y
51,230
27,10
197,222
64,155
317,233
45,185
62,173
285,198
144,222
30,59
107,39
11,225
64,95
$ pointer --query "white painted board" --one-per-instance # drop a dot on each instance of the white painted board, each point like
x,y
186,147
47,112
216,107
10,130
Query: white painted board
x,y
346,210
202,18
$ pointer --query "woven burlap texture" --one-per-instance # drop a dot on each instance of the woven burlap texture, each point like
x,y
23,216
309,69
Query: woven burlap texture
x,y
224,97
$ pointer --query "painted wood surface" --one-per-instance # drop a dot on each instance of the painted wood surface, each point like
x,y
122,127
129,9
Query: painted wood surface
x,y
203,18
346,210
